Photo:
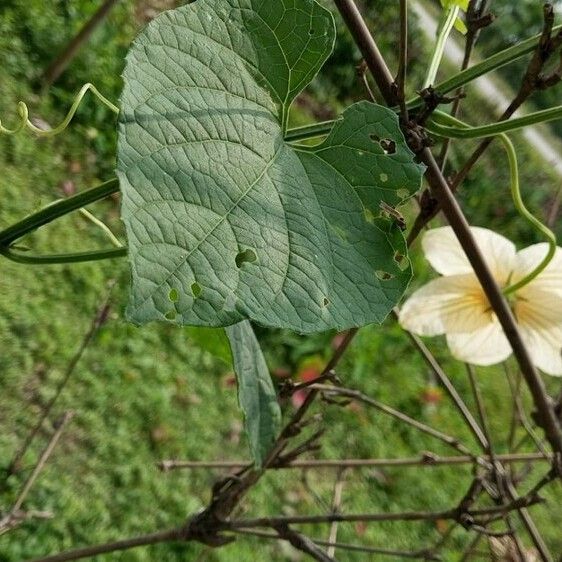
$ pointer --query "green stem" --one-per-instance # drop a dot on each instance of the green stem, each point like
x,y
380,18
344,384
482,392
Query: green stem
x,y
493,129
460,79
310,131
517,201
436,126
23,113
458,130
51,259
49,214
499,60
447,23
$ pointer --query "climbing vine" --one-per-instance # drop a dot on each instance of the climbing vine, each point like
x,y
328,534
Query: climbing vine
x,y
233,217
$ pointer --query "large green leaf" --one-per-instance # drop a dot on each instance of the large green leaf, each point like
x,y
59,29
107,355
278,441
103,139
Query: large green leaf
x,y
256,394
226,221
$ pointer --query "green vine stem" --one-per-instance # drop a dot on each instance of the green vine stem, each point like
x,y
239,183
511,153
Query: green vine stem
x,y
437,126
447,24
515,194
309,131
493,129
53,259
25,123
441,124
494,62
49,214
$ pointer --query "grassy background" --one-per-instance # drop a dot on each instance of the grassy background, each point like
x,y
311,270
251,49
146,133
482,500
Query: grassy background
x,y
141,395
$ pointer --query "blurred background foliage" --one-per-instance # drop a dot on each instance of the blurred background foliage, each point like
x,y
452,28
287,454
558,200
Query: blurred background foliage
x,y
141,395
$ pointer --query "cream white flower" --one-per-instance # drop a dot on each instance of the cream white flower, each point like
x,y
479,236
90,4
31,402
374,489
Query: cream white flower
x,y
455,304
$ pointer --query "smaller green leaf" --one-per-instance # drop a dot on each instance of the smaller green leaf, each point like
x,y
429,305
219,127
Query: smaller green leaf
x,y
256,393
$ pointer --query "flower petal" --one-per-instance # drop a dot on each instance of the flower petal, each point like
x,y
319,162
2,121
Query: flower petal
x,y
446,256
549,280
545,352
447,304
540,317
485,346
546,356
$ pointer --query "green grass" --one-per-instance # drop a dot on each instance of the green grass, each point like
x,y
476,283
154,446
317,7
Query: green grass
x,y
143,394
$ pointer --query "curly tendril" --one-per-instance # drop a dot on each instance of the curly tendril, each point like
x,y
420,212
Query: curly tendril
x,y
25,123
525,213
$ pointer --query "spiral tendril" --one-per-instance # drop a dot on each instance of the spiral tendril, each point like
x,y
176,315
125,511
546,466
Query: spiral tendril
x,y
23,113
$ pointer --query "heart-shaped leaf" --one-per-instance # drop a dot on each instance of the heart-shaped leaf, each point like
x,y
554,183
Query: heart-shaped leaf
x,y
227,221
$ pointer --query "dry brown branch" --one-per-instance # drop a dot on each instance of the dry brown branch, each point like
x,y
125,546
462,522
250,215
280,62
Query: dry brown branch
x,y
448,386
7,523
420,554
424,428
530,525
336,507
208,531
59,65
16,518
169,535
520,414
400,82
453,514
98,320
427,459
498,472
302,543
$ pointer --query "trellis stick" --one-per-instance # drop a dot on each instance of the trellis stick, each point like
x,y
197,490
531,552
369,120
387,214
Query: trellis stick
x,y
59,65
427,460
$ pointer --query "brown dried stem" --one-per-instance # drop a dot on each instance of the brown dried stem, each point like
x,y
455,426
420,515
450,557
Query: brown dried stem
x,y
448,386
427,459
97,321
452,514
424,428
336,507
7,523
498,471
420,554
302,543
400,83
